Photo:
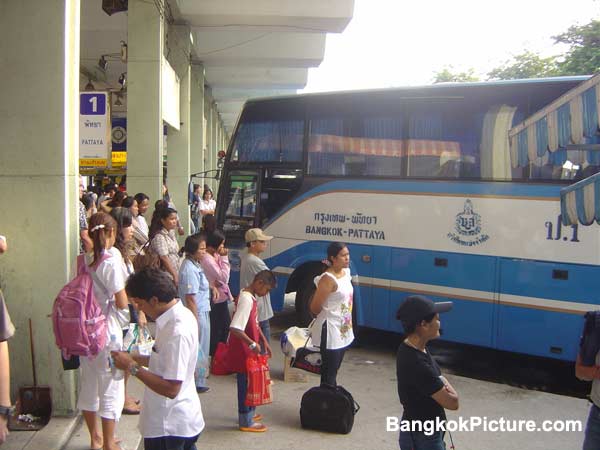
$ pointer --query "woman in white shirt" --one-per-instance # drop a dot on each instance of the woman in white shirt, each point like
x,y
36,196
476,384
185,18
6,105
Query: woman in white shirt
x,y
207,204
140,223
332,303
123,245
99,393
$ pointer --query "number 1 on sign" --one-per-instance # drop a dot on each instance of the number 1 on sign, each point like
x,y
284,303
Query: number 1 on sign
x,y
94,102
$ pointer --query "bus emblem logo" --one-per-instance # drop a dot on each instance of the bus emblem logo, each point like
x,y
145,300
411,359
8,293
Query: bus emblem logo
x,y
468,227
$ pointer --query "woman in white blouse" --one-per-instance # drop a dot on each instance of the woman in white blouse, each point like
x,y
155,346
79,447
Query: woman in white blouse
x,y
207,204
332,304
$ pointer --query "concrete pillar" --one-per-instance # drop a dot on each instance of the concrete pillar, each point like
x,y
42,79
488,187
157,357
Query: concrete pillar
x,y
39,125
197,119
209,137
215,150
178,156
144,109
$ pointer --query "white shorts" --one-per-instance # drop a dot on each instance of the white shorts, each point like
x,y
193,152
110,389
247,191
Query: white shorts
x,y
98,391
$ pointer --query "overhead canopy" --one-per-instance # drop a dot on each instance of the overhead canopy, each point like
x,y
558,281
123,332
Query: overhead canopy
x,y
580,202
565,129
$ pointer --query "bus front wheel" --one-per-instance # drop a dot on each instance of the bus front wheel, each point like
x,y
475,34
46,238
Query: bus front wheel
x,y
303,299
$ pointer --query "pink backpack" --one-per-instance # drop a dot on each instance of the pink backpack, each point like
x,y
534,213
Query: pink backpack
x,y
79,322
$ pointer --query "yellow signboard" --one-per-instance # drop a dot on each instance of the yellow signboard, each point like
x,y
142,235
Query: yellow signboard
x,y
119,159
92,162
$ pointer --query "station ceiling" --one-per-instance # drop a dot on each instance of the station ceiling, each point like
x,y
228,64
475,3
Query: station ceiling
x,y
248,49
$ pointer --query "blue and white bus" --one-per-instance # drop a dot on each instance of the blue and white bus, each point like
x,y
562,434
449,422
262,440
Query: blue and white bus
x,y
433,195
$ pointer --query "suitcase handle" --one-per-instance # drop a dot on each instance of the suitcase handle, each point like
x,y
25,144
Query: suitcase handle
x,y
355,406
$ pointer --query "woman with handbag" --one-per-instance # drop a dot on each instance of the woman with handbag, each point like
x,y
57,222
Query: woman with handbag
x,y
332,304
164,242
123,244
245,340
215,264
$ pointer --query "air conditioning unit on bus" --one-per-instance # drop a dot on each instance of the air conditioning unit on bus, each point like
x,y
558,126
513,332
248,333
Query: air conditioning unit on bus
x,y
114,6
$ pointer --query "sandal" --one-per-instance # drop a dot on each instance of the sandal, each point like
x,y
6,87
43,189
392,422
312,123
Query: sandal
x,y
255,428
257,418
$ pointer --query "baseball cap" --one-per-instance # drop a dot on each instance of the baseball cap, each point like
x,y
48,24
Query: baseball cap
x,y
416,307
256,234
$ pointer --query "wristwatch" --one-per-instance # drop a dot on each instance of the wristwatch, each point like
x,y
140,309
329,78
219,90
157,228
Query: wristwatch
x,y
6,410
253,345
134,369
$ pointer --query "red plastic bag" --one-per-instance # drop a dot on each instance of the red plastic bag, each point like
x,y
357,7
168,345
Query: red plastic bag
x,y
259,381
218,365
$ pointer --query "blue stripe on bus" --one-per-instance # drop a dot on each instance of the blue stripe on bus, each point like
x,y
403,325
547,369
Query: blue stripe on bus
x,y
484,323
463,271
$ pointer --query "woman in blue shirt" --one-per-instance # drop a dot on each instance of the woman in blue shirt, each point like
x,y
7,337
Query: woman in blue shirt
x,y
194,293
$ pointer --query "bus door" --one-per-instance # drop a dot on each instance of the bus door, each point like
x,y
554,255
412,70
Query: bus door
x,y
241,188
371,305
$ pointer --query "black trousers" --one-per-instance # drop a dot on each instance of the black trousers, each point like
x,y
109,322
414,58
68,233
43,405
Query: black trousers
x,y
331,360
170,443
219,324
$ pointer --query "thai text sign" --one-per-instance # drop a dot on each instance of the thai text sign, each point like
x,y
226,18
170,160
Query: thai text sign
x,y
94,129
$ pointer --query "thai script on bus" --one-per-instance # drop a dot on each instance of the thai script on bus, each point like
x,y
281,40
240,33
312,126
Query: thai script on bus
x,y
357,218
325,229
558,235
331,218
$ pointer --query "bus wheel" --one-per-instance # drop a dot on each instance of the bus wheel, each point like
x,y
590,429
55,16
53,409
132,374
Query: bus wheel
x,y
303,298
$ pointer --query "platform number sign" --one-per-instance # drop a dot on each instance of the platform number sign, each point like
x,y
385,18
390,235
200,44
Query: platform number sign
x,y
94,129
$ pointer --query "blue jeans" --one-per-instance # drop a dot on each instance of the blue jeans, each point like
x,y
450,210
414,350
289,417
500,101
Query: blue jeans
x,y
202,365
417,440
592,430
265,327
170,443
245,413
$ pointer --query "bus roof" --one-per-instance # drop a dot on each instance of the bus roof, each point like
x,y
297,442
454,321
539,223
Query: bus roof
x,y
431,88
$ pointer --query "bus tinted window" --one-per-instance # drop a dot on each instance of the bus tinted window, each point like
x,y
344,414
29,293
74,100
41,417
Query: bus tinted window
x,y
269,132
432,143
355,146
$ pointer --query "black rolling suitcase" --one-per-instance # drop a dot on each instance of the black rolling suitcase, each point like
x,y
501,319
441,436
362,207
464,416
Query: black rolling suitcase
x,y
328,408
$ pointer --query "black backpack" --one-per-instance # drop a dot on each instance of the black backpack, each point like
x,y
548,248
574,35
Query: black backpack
x,y
328,408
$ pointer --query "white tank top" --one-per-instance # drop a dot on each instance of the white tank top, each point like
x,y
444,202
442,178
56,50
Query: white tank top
x,y
337,313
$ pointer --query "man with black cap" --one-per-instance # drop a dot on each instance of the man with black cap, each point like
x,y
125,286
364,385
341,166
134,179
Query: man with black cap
x,y
423,391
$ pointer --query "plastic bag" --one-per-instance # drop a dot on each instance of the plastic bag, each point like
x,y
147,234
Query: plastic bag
x,y
138,340
259,381
294,338
219,360
201,366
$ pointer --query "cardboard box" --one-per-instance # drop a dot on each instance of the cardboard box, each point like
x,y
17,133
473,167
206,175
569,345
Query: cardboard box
x,y
292,375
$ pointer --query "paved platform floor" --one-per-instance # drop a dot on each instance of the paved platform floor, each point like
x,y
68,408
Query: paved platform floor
x,y
367,372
